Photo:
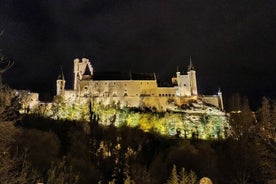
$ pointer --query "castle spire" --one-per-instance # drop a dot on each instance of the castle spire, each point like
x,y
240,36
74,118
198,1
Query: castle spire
x,y
62,74
191,67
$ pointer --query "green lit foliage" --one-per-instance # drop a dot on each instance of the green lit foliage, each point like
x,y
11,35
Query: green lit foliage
x,y
212,126
203,123
61,110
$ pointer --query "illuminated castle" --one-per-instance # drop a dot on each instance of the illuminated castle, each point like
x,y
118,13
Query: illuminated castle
x,y
135,100
132,90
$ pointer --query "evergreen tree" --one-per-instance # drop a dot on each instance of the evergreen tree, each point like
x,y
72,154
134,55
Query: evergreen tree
x,y
266,120
242,121
183,177
192,177
173,177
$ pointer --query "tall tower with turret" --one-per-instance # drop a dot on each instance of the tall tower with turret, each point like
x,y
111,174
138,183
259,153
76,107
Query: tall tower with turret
x,y
76,72
60,85
192,77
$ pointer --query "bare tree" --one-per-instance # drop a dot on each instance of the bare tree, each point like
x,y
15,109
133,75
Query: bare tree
x,y
14,165
4,66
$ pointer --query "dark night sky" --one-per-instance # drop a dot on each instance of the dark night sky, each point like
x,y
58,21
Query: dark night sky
x,y
232,43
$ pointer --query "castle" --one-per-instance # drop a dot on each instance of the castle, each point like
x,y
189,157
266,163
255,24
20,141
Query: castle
x,y
135,100
132,90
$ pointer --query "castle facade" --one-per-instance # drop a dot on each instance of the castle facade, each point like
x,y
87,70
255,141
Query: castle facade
x,y
133,90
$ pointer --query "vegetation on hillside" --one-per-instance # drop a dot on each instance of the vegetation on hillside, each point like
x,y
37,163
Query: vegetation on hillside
x,y
36,149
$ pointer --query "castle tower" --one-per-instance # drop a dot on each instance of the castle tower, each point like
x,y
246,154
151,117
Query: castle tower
x,y
182,83
220,100
82,70
178,79
60,85
192,77
76,72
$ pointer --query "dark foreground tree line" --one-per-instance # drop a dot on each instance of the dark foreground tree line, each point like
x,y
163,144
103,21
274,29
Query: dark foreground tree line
x,y
36,149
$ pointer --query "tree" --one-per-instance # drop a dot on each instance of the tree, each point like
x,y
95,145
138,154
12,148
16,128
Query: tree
x,y
234,103
242,121
173,177
43,147
266,120
61,172
4,66
182,178
192,177
266,139
16,168
14,165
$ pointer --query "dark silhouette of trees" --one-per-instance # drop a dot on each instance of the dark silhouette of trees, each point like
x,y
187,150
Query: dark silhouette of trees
x,y
5,65
242,119
266,137
56,151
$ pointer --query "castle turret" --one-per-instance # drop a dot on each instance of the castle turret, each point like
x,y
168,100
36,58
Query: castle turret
x,y
76,72
220,100
60,85
192,77
178,79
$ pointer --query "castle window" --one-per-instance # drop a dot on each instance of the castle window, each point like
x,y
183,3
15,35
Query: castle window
x,y
159,94
125,94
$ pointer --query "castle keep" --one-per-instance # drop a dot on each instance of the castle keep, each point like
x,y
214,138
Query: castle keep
x,y
132,90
